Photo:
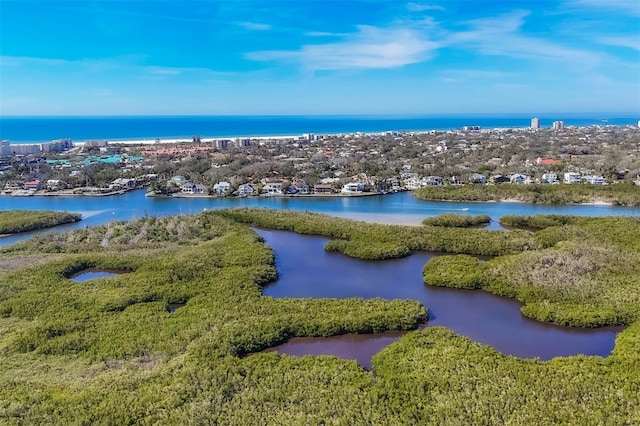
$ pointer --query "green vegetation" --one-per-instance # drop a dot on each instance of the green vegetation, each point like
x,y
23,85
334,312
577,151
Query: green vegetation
x,y
107,351
460,271
623,194
537,221
587,275
13,221
454,220
375,241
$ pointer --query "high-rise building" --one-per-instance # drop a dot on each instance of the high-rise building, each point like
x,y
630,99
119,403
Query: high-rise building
x,y
5,147
535,123
558,125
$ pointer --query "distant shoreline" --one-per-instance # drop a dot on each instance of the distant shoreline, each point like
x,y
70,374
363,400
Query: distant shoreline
x,y
332,195
25,130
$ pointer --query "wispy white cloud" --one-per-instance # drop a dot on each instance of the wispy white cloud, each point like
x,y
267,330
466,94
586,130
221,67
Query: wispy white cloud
x,y
322,34
632,42
164,70
254,26
625,6
369,47
130,64
420,7
411,42
502,36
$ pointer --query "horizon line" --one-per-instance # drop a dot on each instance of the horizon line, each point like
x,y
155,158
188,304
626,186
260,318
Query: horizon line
x,y
395,115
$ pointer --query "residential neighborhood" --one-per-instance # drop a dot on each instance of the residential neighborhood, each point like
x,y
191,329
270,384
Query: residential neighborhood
x,y
319,165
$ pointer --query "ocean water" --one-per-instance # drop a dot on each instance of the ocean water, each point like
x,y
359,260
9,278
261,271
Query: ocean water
x,y
39,129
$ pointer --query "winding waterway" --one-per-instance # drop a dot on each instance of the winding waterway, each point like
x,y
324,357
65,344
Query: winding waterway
x,y
306,270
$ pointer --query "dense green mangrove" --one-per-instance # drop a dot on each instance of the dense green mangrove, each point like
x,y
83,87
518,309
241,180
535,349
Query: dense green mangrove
x,y
588,275
376,241
108,351
454,220
622,194
14,221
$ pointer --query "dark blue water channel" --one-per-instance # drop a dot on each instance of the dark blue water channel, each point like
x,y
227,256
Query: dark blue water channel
x,y
306,270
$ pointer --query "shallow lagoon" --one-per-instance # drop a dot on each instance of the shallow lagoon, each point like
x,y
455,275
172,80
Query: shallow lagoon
x,y
306,270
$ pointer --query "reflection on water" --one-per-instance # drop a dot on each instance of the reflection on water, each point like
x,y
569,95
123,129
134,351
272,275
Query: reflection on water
x,y
90,274
360,347
306,270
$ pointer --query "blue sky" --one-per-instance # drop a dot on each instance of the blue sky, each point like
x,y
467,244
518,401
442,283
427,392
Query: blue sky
x,y
318,57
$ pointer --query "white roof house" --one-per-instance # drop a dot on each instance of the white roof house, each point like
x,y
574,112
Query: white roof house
x,y
221,187
353,188
571,177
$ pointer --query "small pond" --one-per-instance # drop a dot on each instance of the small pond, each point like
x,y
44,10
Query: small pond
x,y
172,307
93,273
306,270
360,347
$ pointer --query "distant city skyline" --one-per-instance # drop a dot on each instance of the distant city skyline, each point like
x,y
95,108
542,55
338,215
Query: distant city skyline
x,y
319,58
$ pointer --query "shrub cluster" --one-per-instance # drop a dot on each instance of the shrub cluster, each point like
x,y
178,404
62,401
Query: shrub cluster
x,y
454,220
623,194
14,221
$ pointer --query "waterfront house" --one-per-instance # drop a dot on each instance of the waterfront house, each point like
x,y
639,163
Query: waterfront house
x,y
199,188
519,179
433,181
300,187
246,189
272,188
188,188
353,188
194,188
594,180
322,188
571,177
13,185
477,178
124,183
55,184
549,178
222,187
33,184
411,181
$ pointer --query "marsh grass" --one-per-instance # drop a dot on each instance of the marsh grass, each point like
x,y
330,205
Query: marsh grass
x,y
15,221
108,352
